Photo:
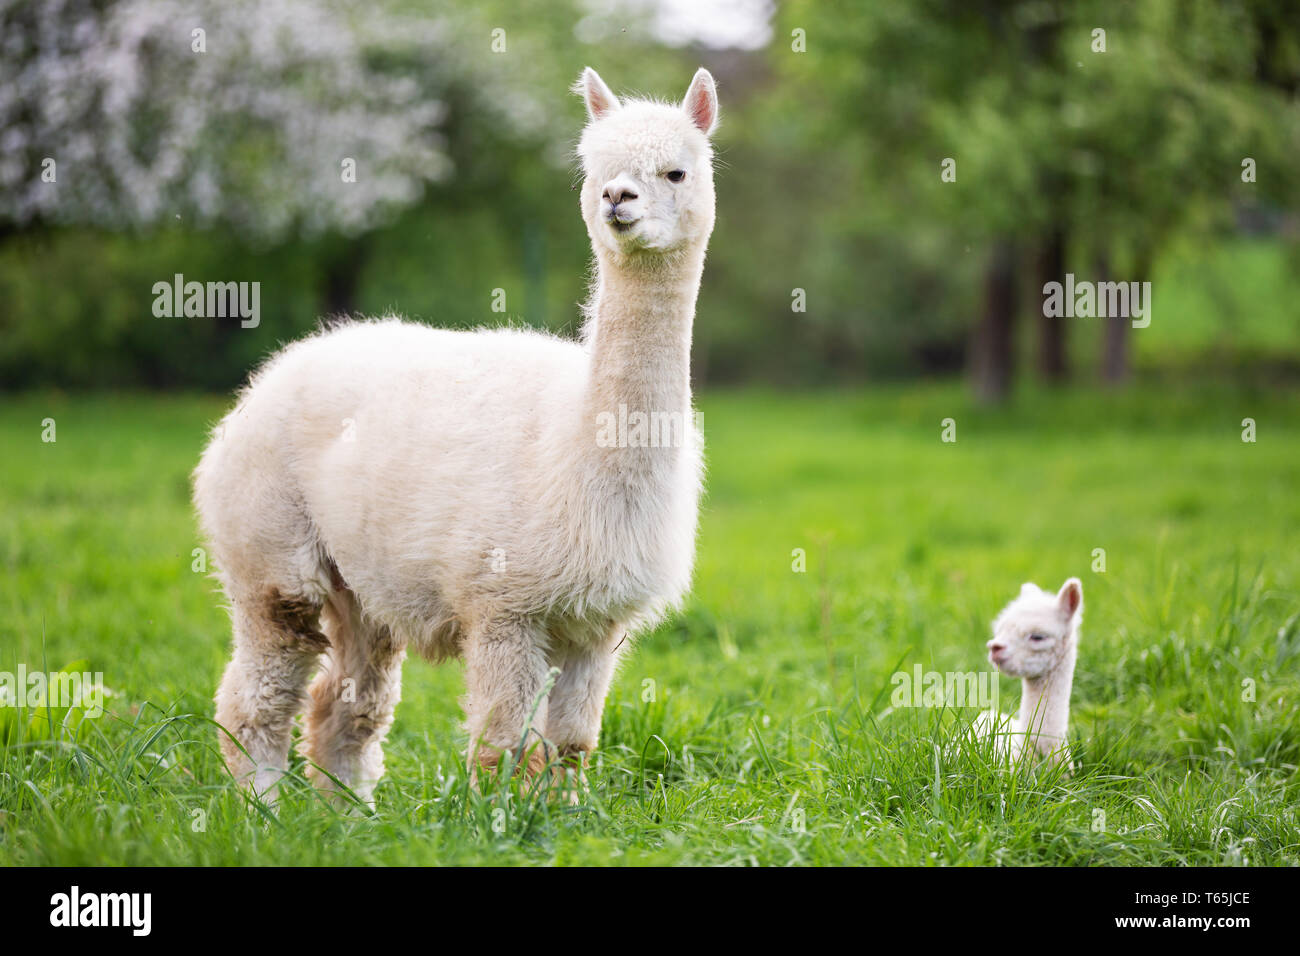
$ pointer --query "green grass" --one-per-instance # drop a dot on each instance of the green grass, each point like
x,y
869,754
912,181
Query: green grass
x,y
769,738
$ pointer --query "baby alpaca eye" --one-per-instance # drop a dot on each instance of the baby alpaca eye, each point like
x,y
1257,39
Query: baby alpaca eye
x,y
676,175
1038,637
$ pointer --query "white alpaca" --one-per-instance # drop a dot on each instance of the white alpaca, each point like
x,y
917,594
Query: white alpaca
x,y
1036,638
495,495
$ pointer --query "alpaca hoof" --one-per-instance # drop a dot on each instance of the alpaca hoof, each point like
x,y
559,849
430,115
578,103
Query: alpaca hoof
x,y
355,800
486,765
568,784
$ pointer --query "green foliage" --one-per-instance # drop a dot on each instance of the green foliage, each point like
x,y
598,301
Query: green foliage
x,y
829,165
754,727
1124,152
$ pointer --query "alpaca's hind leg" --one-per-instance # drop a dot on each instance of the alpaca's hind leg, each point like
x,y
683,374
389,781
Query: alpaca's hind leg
x,y
505,673
353,699
276,648
577,702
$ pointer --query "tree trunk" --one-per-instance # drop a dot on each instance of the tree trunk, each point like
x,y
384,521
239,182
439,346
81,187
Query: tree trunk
x,y
1114,346
993,346
1052,361
1114,356
1116,364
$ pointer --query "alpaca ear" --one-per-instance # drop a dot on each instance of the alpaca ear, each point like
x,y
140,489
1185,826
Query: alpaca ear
x,y
598,97
1071,597
701,103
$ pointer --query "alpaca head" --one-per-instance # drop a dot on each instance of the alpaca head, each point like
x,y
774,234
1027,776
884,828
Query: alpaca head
x,y
1037,630
649,169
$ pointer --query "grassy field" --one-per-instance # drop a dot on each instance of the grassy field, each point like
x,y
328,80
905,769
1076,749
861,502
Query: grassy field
x,y
754,727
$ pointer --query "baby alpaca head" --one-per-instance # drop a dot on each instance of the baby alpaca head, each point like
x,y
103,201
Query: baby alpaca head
x,y
1037,630
649,169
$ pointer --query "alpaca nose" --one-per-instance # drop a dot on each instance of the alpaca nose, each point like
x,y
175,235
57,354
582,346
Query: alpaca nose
x,y
995,647
617,192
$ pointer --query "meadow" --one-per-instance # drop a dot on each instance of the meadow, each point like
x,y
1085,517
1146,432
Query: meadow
x,y
841,541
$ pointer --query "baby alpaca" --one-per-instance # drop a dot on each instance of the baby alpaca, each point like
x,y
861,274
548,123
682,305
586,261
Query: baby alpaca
x,y
1036,638
504,496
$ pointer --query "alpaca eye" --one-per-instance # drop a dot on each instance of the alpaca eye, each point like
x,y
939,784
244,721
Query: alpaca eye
x,y
676,175
1038,637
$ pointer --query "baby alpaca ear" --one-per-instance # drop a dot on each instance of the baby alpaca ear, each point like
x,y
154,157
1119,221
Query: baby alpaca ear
x,y
598,97
701,103
1070,600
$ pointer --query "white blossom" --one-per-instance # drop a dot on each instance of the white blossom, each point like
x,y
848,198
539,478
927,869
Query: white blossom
x,y
250,133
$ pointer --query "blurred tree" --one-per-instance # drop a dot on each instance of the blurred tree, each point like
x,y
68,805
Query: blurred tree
x,y
228,164
947,111
270,120
1156,128
843,247
1078,132
239,114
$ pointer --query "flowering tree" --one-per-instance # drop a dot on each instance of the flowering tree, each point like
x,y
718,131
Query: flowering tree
x,y
268,118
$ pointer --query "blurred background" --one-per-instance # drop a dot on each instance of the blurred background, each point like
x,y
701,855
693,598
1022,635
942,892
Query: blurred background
x,y
143,138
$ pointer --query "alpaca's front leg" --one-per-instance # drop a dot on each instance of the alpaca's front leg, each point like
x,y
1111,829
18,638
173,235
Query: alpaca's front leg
x,y
577,702
505,710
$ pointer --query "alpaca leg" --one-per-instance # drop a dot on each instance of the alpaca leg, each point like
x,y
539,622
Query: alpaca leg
x,y
276,648
352,700
577,703
505,673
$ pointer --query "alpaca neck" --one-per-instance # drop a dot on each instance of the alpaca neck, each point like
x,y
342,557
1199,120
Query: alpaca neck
x,y
639,336
1044,713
